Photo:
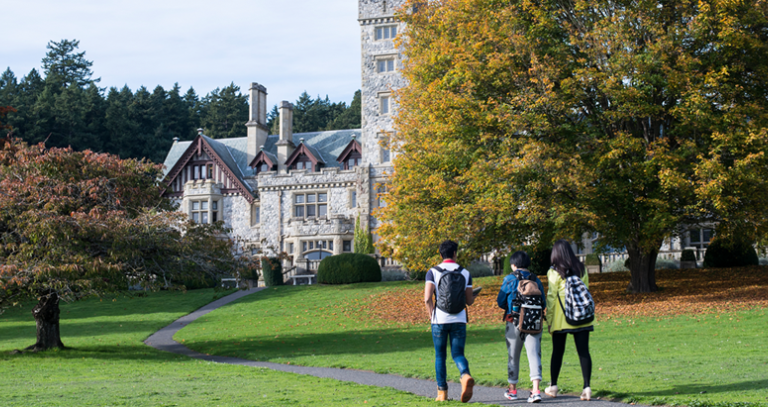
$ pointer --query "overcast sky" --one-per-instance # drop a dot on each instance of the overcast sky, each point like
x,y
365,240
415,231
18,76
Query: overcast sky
x,y
287,46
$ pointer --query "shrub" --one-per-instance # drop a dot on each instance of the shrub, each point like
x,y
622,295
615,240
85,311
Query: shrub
x,y
392,275
539,260
688,255
273,271
592,260
667,264
347,268
479,270
616,265
721,253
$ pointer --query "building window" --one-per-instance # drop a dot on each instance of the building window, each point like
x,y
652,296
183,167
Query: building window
x,y
385,155
199,211
700,238
310,205
303,163
385,65
353,160
214,211
346,246
255,215
353,198
380,193
290,248
210,171
386,33
384,105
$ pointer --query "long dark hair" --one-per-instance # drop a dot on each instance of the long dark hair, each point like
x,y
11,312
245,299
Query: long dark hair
x,y
564,261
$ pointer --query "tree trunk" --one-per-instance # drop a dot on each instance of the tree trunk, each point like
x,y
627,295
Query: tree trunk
x,y
46,314
642,265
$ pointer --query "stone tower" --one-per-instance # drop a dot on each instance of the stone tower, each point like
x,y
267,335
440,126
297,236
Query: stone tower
x,y
381,65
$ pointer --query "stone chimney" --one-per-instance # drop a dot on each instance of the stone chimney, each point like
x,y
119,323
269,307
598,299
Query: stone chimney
x,y
257,120
285,146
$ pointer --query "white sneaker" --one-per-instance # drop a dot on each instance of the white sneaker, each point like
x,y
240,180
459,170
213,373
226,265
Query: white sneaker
x,y
551,391
586,394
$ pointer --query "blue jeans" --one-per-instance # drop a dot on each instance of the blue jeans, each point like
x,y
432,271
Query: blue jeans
x,y
440,335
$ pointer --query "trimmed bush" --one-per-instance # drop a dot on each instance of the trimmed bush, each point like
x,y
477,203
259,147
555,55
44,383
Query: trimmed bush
x,y
392,275
479,270
721,253
416,275
593,260
347,268
667,264
272,270
539,260
688,255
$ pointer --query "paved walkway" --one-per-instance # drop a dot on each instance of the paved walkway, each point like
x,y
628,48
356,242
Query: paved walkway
x,y
163,340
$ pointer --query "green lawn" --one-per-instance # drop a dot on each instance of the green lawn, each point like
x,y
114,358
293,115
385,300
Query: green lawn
x,y
108,365
711,360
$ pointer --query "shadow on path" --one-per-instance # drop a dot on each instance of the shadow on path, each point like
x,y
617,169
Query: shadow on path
x,y
163,340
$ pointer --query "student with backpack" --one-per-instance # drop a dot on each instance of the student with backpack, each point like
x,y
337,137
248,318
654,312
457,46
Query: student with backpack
x,y
522,298
451,285
571,312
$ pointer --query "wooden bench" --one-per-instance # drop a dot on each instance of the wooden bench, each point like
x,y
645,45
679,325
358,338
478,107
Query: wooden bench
x,y
309,277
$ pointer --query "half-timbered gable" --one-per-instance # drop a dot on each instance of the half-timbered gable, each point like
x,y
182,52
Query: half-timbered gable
x,y
351,156
305,157
263,162
206,159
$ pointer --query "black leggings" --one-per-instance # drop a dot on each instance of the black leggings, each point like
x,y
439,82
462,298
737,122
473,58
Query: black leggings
x,y
582,347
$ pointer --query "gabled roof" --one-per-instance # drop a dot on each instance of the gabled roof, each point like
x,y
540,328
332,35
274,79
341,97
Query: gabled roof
x,y
325,145
219,153
269,158
310,152
352,146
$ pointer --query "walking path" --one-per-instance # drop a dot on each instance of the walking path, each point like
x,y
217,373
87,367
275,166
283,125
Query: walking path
x,y
163,340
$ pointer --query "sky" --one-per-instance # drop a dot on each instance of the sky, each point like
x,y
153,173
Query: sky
x,y
287,46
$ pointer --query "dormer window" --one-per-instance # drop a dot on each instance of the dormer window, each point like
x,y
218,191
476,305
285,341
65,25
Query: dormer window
x,y
263,162
353,160
303,163
352,155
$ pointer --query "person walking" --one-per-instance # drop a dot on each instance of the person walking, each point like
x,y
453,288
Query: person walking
x,y
451,285
564,264
509,300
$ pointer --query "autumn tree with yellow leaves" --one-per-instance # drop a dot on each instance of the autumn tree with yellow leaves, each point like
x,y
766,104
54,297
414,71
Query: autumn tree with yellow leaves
x,y
547,119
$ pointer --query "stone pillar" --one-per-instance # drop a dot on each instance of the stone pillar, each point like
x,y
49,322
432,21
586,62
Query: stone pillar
x,y
285,145
257,120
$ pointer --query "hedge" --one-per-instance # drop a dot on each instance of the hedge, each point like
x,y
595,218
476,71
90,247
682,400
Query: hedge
x,y
272,270
688,255
592,260
722,253
347,268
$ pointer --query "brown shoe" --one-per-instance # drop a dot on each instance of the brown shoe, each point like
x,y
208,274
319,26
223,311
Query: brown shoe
x,y
442,395
467,384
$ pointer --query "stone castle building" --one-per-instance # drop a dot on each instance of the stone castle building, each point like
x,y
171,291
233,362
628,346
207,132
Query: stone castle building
x,y
301,193
298,193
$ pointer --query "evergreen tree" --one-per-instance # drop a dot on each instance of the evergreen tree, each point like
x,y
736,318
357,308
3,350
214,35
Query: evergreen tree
x,y
118,122
194,113
273,120
64,67
225,113
350,117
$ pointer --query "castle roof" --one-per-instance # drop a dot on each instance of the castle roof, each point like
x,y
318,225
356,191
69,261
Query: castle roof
x,y
325,145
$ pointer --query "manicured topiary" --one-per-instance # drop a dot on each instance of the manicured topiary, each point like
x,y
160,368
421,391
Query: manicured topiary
x,y
477,270
688,255
272,270
592,260
347,268
721,253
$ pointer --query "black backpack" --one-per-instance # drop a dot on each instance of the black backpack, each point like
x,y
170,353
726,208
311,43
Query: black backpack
x,y
451,289
528,299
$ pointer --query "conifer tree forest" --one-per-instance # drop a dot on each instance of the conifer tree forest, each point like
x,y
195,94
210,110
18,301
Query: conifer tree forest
x,y
64,106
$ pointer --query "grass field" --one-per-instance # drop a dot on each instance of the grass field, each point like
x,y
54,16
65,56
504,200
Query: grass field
x,y
108,365
713,359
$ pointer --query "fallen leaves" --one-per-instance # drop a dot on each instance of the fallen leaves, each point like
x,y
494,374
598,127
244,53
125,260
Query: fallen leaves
x,y
692,291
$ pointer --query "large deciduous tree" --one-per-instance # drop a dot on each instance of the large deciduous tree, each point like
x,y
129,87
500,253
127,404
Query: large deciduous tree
x,y
533,120
78,224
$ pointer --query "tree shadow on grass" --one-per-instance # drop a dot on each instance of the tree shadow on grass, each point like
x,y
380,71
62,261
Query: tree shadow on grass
x,y
690,389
